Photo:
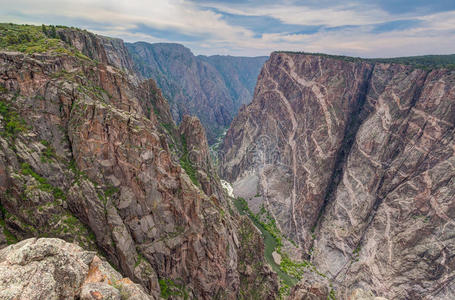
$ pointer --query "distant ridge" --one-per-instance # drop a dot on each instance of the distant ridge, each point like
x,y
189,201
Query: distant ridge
x,y
210,87
432,61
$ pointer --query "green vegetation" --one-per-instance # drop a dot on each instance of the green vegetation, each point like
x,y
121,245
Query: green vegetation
x,y
272,242
167,126
42,182
169,288
356,250
34,39
48,153
71,221
10,238
59,222
89,88
289,271
110,191
139,259
186,163
73,168
26,38
425,62
215,147
155,111
13,122
421,62
424,218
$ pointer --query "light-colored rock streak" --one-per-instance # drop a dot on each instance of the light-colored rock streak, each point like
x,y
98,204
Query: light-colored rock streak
x,y
316,89
292,144
228,187
291,137
387,234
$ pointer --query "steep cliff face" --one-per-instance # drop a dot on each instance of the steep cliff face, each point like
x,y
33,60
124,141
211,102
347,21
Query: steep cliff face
x,y
106,50
355,160
197,155
211,88
85,155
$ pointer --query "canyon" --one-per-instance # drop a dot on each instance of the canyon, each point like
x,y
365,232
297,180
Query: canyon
x,y
213,88
337,181
89,154
355,160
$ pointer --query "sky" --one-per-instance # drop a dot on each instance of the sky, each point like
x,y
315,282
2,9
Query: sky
x,y
373,28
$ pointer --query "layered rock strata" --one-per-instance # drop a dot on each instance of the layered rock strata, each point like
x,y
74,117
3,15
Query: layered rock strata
x,y
355,160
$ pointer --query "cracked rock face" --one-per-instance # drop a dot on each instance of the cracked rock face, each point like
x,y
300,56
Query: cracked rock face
x,y
54,269
198,154
356,162
84,157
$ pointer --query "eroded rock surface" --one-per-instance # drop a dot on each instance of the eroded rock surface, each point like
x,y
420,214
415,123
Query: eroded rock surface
x,y
85,155
54,269
356,162
197,148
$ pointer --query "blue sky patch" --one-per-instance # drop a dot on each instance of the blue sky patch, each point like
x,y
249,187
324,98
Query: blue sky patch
x,y
373,28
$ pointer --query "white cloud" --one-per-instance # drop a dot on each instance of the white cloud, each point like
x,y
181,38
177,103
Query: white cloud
x,y
179,15
214,35
340,15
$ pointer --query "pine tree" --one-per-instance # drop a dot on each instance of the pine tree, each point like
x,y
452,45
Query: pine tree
x,y
53,33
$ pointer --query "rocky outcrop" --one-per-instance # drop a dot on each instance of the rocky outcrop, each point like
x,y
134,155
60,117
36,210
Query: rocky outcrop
x,y
312,287
197,152
85,155
106,50
355,161
54,269
257,281
211,88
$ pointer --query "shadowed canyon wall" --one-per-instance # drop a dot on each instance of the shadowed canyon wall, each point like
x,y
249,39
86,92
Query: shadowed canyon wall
x,y
356,161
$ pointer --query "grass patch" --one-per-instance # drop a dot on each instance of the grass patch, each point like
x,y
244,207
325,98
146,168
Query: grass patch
x,y
10,238
73,168
110,191
31,39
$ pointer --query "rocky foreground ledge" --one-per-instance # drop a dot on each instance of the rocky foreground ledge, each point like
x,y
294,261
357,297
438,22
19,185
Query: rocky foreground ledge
x,y
48,268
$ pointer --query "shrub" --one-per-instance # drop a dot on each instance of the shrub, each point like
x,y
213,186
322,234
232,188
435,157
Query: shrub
x,y
13,122
186,164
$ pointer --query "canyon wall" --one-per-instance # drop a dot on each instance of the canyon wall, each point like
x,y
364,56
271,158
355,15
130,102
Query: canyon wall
x,y
89,154
210,87
355,159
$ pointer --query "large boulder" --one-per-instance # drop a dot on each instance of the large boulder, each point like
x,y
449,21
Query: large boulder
x,y
49,268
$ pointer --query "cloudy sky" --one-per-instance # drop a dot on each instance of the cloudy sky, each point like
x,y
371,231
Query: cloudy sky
x,y
374,28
